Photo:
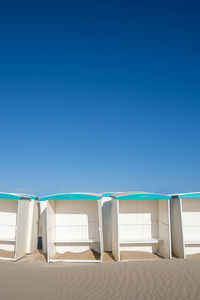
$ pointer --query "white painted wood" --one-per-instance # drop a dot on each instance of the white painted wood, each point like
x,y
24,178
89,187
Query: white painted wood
x,y
32,234
100,229
85,241
143,225
7,240
191,249
8,219
22,228
191,225
138,220
15,226
51,230
107,223
164,248
29,229
177,228
7,258
35,223
139,248
169,223
115,230
43,225
74,226
141,241
192,242
77,219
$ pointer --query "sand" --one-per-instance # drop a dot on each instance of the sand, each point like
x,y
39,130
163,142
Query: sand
x,y
108,257
32,278
86,255
193,256
4,253
126,255
37,257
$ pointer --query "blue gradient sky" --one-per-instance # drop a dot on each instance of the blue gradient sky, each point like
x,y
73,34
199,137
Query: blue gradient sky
x,y
100,96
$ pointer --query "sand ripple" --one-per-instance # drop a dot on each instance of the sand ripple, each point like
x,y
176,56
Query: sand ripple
x,y
159,279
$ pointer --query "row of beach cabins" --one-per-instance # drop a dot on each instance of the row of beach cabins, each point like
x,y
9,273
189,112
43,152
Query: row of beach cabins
x,y
82,227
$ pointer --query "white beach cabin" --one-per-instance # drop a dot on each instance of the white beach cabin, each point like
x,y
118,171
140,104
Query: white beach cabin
x,y
18,225
74,227
140,226
185,225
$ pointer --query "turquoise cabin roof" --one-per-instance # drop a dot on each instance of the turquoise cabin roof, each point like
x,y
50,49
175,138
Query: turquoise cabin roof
x,y
72,196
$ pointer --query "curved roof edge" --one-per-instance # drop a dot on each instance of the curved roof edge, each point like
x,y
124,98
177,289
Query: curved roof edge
x,y
108,194
9,196
71,196
27,195
188,195
139,195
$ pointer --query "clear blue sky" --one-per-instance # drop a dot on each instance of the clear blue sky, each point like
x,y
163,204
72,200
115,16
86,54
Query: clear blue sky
x,y
99,96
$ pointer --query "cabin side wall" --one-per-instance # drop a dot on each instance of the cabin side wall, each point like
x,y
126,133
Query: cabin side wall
x,y
101,229
191,225
77,220
8,220
32,227
164,248
22,228
138,220
43,224
176,227
107,223
34,232
51,230
115,230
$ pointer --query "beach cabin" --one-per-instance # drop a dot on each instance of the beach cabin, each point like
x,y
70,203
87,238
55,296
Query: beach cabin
x,y
18,225
140,226
185,225
74,227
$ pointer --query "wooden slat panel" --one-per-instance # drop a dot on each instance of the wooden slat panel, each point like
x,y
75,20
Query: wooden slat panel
x,y
164,228
51,229
137,219
22,228
77,220
176,228
115,230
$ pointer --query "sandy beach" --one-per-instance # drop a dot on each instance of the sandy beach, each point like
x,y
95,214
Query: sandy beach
x,y
32,278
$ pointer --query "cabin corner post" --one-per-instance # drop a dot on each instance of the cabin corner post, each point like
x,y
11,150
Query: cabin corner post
x,y
30,244
107,222
169,222
115,230
51,250
47,234
177,227
118,237
99,201
22,228
181,216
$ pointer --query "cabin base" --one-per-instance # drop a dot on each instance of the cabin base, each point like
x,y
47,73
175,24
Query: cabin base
x,y
138,255
193,256
74,261
6,255
86,256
